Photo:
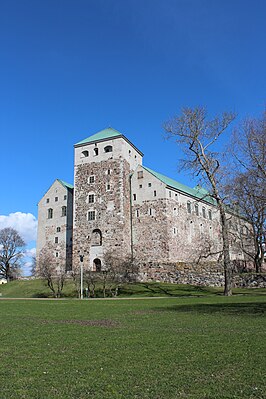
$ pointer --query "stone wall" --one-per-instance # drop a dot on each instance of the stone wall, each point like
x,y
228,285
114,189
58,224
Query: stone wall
x,y
204,274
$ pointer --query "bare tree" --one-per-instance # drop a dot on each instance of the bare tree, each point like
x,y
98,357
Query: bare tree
x,y
12,248
33,266
196,136
53,273
248,185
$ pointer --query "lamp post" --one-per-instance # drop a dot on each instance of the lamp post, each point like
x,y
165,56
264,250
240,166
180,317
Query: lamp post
x,y
81,275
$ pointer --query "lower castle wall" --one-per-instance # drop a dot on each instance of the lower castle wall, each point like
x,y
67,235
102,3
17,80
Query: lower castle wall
x,y
206,274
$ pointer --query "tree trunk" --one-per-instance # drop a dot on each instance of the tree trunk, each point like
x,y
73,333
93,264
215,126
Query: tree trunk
x,y
228,272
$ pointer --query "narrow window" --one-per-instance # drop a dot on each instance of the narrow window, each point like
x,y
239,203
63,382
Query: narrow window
x,y
96,151
134,197
108,148
150,212
175,230
65,197
56,240
64,210
109,171
129,152
140,186
197,209
149,184
56,199
92,179
170,194
91,215
137,213
204,212
154,193
108,187
189,207
56,254
210,214
140,174
58,229
47,200
84,154
50,213
91,198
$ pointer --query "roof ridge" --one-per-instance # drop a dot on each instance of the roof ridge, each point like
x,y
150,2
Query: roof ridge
x,y
65,184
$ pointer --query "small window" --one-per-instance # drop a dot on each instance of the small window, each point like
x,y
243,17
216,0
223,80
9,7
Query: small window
x,y
57,254
56,240
108,187
140,186
154,193
210,214
108,148
96,151
140,174
91,179
91,198
64,211
65,197
189,207
84,154
175,230
129,152
56,199
91,215
109,171
134,197
149,184
50,213
58,229
175,211
137,213
204,212
47,200
197,209
170,194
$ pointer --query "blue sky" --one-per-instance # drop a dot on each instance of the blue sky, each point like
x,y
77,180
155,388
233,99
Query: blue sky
x,y
71,68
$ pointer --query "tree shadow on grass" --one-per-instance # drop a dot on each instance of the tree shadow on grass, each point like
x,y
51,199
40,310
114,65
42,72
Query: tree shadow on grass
x,y
158,289
249,308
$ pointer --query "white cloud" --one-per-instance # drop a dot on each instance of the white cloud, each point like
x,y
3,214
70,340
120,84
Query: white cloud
x,y
30,252
24,223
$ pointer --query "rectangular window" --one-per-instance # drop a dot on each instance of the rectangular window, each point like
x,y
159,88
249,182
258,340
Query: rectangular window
x,y
189,207
91,215
65,197
140,186
50,213
91,198
149,184
64,211
197,209
58,229
137,213
108,187
210,214
108,171
140,174
56,240
56,199
92,179
204,212
154,193
170,194
134,197
47,200
56,254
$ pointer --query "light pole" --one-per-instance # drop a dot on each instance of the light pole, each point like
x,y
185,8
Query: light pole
x,y
81,275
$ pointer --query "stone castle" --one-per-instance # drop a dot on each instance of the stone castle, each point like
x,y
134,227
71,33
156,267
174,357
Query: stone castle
x,y
118,206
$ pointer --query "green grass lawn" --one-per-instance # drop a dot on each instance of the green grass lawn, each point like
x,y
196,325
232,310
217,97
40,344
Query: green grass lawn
x,y
179,347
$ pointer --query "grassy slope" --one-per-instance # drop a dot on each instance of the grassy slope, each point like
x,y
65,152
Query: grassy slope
x,y
37,288
210,347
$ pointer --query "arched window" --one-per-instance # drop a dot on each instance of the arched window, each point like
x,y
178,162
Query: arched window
x,y
96,237
204,212
50,213
97,265
108,148
64,211
210,214
84,154
197,209
189,207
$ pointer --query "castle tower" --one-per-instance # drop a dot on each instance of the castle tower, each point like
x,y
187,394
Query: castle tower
x,y
102,203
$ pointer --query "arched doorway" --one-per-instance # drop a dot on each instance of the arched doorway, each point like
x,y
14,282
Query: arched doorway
x,y
97,265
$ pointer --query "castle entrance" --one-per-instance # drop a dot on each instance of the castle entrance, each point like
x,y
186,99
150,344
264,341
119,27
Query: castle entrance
x,y
97,265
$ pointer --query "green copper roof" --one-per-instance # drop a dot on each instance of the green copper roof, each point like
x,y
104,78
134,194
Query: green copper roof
x,y
66,185
197,192
101,135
